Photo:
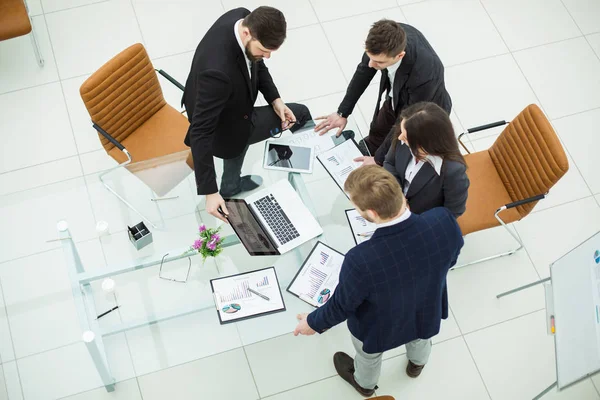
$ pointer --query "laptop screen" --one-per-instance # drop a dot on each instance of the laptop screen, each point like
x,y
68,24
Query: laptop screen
x,y
251,234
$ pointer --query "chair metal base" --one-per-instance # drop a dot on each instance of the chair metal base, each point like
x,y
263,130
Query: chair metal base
x,y
508,253
117,195
34,41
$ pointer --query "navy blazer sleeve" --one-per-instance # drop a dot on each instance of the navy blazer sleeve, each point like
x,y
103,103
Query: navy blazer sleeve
x,y
350,293
265,83
214,89
359,83
455,186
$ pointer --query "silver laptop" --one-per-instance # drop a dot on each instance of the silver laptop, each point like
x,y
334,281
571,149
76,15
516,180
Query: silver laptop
x,y
272,221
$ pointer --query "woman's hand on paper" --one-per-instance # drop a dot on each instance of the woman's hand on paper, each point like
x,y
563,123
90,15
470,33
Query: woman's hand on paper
x,y
303,328
365,160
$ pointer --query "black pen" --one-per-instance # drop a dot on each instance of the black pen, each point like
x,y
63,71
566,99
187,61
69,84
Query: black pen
x,y
106,312
258,294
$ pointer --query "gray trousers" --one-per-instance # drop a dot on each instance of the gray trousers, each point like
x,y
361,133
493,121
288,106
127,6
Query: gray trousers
x,y
367,367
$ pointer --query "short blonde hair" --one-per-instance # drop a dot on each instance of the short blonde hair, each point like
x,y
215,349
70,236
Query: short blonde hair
x,y
373,188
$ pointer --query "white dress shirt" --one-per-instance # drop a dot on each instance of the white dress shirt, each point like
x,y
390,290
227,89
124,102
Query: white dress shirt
x,y
392,74
236,32
405,215
415,166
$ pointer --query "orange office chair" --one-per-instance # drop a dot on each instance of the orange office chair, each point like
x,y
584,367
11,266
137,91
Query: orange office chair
x,y
510,177
133,120
15,22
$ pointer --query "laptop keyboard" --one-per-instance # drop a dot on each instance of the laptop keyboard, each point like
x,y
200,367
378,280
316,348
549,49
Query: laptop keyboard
x,y
279,223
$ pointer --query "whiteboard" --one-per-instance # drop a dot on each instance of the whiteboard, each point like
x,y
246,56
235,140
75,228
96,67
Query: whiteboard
x,y
576,294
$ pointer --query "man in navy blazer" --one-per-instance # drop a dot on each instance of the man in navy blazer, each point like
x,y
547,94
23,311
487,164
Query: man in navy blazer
x,y
392,288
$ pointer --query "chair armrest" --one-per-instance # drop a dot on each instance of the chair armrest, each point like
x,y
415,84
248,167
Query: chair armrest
x,y
486,126
522,202
478,129
110,138
171,79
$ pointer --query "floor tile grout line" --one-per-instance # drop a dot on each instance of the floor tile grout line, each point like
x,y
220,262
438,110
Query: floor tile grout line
x,y
572,18
30,87
350,16
580,30
333,376
513,56
503,322
139,388
137,21
477,368
574,114
300,386
5,380
72,8
12,342
250,368
40,164
594,386
534,211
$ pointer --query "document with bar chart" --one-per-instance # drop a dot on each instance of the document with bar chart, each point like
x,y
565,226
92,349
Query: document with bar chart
x,y
247,295
318,277
339,161
362,230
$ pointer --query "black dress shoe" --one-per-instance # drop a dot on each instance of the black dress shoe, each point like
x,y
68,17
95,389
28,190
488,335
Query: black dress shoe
x,y
247,183
413,370
344,365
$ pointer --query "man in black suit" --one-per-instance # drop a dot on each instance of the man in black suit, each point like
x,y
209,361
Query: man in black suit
x,y
226,75
411,72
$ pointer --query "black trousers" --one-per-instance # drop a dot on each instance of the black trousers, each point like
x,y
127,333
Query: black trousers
x,y
381,126
264,119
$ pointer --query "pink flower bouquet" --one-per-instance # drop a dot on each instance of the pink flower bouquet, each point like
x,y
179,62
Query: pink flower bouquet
x,y
209,243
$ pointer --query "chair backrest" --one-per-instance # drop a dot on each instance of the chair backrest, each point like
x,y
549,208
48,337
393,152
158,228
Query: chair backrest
x,y
528,157
123,94
14,20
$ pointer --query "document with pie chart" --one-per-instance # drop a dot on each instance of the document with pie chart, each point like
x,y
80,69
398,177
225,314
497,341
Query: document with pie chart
x,y
318,276
339,161
247,295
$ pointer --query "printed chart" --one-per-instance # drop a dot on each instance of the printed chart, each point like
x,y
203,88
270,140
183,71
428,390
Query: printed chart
x,y
247,295
339,161
318,277
362,230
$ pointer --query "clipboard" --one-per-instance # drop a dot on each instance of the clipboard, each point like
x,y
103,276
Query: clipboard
x,y
310,275
338,161
359,226
234,300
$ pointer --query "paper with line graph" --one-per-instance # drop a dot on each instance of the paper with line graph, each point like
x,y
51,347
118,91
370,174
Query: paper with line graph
x,y
339,161
247,295
318,277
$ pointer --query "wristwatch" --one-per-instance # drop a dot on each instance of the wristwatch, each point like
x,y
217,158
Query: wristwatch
x,y
342,114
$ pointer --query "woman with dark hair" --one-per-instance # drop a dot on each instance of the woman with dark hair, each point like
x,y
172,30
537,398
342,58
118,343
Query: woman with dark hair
x,y
425,159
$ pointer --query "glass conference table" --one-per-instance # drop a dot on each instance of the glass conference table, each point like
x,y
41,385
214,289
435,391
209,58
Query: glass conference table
x,y
166,313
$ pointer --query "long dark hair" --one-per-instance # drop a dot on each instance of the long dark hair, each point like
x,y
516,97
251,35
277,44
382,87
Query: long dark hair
x,y
428,127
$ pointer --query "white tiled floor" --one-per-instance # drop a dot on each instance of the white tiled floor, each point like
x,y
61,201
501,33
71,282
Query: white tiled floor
x,y
499,57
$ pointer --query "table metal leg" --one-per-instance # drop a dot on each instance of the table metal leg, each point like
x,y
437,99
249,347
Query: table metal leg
x,y
522,288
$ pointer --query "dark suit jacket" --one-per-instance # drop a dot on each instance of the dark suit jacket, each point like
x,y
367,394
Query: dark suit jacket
x,y
219,98
392,288
428,189
420,77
